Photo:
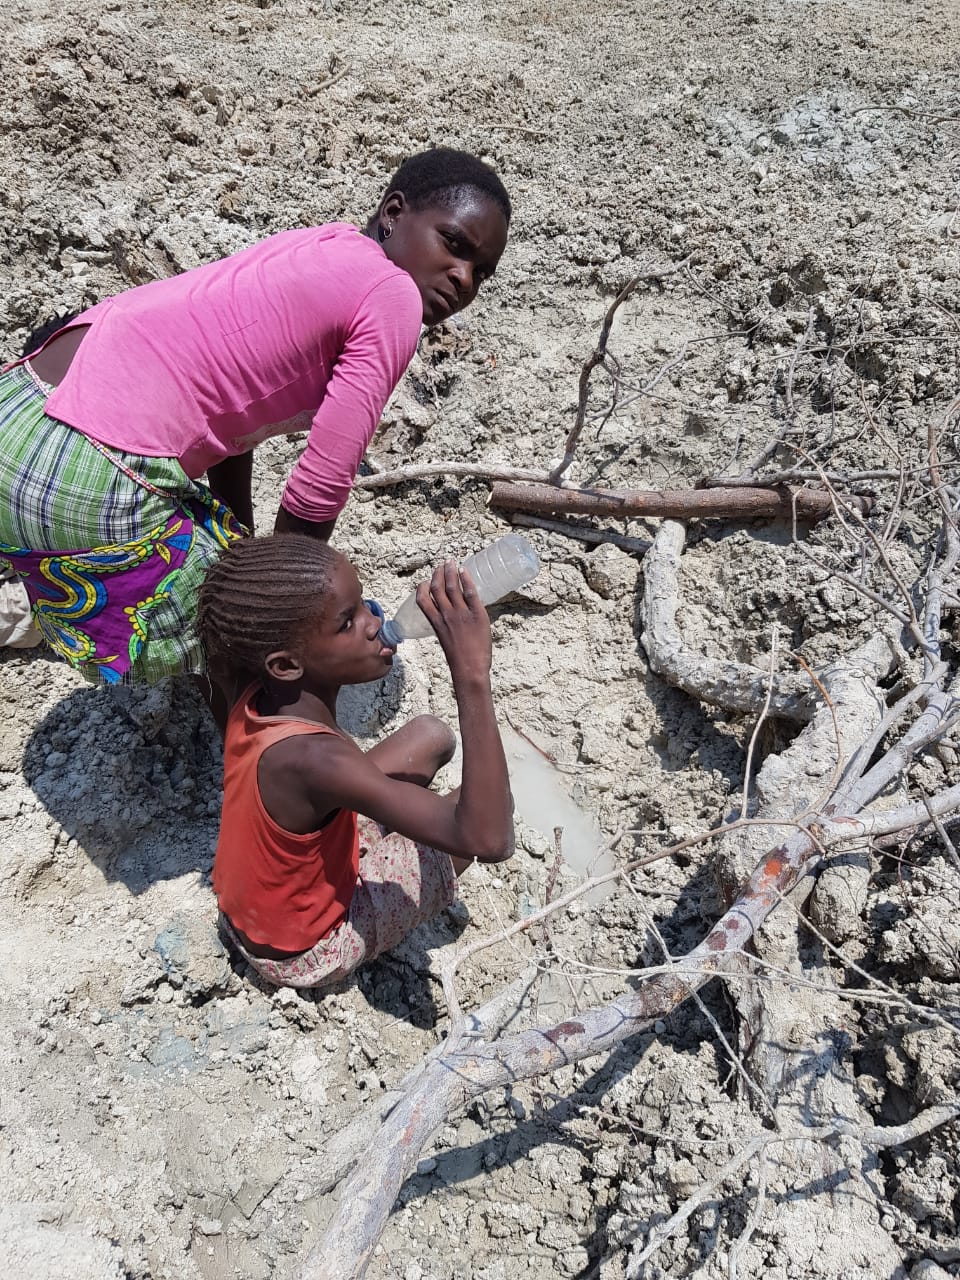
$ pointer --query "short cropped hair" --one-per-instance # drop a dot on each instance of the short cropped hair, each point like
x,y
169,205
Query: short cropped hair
x,y
437,177
258,598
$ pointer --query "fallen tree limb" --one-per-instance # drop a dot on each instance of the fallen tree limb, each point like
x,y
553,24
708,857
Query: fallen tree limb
x,y
748,503
467,1067
735,686
877,1137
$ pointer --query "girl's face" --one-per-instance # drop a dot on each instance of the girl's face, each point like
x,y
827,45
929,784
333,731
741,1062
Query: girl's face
x,y
449,252
342,645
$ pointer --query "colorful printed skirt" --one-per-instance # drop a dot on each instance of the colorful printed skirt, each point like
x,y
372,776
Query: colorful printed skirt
x,y
400,884
111,547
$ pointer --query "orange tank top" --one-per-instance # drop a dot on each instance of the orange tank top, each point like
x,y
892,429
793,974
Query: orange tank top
x,y
281,889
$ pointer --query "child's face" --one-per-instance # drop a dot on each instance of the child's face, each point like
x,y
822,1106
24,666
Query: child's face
x,y
343,646
449,252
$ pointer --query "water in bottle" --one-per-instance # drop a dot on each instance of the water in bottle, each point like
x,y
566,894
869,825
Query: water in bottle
x,y
498,569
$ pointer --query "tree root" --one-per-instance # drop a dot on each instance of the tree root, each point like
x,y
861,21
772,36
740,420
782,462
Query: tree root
x,y
734,686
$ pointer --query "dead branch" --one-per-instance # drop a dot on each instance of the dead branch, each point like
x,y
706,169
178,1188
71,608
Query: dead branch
x,y
733,685
598,357
331,80
748,503
583,532
424,470
466,1066
877,1137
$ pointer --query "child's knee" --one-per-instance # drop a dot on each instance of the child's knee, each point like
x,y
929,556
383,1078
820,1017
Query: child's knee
x,y
437,738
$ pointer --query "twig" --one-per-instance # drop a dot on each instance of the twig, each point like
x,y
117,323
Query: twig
x,y
764,711
907,111
521,128
423,470
792,369
949,846
582,532
879,1137
331,80
597,356
753,1221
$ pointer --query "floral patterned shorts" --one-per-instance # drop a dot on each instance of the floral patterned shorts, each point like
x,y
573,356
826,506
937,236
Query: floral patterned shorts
x,y
400,885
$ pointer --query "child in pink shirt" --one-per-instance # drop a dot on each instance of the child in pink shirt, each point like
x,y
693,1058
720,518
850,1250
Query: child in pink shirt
x,y
107,429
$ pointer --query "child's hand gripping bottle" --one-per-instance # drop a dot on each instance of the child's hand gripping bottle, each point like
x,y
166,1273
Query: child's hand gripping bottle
x,y
497,570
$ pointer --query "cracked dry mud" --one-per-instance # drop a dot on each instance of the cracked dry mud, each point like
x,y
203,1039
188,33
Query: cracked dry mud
x,y
163,1115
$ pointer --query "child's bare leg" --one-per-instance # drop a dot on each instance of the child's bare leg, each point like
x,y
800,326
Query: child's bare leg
x,y
416,751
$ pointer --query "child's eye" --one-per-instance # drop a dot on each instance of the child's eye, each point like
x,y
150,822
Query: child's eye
x,y
452,241
347,625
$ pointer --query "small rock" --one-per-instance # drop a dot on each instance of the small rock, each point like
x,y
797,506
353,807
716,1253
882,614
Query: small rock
x,y
193,956
610,572
209,1226
928,1270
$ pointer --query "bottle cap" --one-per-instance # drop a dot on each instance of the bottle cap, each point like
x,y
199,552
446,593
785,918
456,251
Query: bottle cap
x,y
388,633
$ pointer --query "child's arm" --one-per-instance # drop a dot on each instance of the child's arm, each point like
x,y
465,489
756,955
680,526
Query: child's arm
x,y
475,822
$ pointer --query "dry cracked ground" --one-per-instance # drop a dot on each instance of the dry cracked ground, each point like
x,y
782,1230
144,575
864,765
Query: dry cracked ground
x,y
163,1114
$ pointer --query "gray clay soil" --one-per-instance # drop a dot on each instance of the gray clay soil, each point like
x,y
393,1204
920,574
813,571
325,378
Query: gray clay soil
x,y
163,1115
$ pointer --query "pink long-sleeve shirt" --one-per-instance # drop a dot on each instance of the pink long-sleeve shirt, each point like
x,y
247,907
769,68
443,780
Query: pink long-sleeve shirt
x,y
308,329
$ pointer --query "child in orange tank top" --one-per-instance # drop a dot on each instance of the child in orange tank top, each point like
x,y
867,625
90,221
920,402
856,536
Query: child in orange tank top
x,y
329,855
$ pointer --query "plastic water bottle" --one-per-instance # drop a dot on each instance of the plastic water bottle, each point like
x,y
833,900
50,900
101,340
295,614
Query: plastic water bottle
x,y
497,570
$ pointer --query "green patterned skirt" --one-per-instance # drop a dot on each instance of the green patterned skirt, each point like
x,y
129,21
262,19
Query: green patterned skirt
x,y
112,547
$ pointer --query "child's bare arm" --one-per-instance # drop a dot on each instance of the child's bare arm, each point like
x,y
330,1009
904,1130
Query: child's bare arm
x,y
477,821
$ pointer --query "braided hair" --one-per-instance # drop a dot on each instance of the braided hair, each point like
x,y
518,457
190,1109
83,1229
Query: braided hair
x,y
259,597
439,177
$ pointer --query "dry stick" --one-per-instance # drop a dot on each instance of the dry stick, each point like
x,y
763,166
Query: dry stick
x,y
838,768
448,970
748,503
865,530
331,80
753,1221
732,685
467,1067
941,831
583,533
597,356
423,470
894,715
894,996
340,1151
907,111
793,475
879,1137
749,471
949,536
791,371
764,711
766,972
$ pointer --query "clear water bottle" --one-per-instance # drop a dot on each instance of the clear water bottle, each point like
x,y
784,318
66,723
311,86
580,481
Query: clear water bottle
x,y
497,570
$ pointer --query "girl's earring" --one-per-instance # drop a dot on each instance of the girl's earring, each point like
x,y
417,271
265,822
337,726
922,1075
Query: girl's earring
x,y
384,233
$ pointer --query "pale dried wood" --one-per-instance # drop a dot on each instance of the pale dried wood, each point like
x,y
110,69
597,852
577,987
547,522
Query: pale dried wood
x,y
748,503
